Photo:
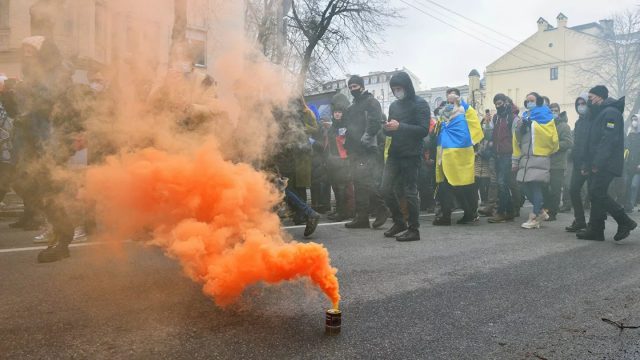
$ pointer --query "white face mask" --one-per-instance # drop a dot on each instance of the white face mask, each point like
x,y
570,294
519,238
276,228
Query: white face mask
x,y
634,123
399,94
97,87
583,109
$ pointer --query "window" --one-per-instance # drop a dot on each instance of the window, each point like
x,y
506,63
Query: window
x,y
374,80
366,81
197,40
554,73
4,14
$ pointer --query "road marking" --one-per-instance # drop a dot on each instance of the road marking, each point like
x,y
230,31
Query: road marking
x,y
346,222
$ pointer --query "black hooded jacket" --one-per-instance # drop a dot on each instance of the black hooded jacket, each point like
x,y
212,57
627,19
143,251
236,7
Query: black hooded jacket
x,y
580,136
364,116
605,144
413,114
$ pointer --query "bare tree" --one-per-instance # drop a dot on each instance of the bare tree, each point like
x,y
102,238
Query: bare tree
x,y
617,64
326,32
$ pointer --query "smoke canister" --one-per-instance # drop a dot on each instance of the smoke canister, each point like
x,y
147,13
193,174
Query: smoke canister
x,y
333,322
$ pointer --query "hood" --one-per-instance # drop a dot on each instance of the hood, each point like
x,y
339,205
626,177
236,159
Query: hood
x,y
403,80
562,118
584,97
339,102
613,103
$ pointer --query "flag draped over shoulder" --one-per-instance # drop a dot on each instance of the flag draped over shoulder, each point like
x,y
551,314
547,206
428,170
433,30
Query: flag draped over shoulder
x,y
456,158
544,135
475,127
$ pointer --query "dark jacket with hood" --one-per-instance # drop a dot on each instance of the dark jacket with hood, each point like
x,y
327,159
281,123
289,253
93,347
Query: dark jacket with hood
x,y
565,139
632,144
363,120
580,137
413,114
605,144
337,167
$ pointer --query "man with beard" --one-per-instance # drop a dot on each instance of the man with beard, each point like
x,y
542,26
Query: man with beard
x,y
363,121
408,125
603,162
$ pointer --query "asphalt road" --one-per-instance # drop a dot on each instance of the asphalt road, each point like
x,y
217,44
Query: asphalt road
x,y
465,292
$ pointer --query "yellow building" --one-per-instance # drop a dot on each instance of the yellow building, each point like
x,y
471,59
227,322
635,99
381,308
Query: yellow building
x,y
548,62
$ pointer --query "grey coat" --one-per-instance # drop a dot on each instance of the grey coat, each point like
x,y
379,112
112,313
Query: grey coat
x,y
530,167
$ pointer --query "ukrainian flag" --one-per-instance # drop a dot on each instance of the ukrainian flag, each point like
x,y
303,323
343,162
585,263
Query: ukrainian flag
x,y
456,158
473,120
544,135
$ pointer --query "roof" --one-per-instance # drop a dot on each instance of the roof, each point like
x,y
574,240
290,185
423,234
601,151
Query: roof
x,y
474,72
586,26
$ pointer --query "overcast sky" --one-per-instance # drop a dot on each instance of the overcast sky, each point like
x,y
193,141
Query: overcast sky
x,y
442,56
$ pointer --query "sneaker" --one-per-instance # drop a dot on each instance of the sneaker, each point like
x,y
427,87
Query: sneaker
x,y
468,220
544,216
532,223
53,254
551,217
591,234
381,218
43,238
575,227
625,229
395,230
312,224
486,211
79,234
409,235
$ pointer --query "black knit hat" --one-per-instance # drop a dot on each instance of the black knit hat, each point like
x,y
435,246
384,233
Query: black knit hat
x,y
355,79
601,91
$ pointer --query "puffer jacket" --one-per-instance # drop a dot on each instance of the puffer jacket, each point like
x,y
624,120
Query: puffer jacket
x,y
363,121
605,144
413,114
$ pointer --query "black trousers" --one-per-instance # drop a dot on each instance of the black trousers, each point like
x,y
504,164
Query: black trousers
x,y
575,189
367,195
401,178
601,202
426,180
466,196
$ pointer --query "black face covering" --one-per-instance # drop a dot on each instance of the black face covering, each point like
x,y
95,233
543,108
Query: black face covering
x,y
356,93
502,110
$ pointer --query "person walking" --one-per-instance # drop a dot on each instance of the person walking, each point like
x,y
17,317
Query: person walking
x,y
632,146
603,162
408,125
578,155
537,140
552,193
363,121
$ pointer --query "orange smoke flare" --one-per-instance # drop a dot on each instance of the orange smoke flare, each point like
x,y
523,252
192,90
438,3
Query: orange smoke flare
x,y
212,215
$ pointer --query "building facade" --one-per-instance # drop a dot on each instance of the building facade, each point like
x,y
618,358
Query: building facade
x,y
549,62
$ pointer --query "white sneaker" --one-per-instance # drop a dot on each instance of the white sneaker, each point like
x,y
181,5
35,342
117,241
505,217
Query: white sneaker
x,y
79,235
544,215
532,223
44,237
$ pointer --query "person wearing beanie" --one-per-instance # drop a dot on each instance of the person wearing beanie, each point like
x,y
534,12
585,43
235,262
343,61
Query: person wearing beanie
x,y
408,125
337,160
577,157
604,161
363,122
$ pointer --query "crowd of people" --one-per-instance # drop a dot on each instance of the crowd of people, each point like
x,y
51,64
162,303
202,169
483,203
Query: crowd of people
x,y
375,165
450,158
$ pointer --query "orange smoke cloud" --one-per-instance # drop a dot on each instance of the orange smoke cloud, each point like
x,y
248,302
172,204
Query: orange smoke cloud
x,y
212,215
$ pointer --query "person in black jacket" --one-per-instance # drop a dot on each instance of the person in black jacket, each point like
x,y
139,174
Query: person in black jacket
x,y
604,161
408,125
363,120
578,153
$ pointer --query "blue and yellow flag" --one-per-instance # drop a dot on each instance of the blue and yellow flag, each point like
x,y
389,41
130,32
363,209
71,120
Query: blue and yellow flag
x,y
544,135
473,120
455,158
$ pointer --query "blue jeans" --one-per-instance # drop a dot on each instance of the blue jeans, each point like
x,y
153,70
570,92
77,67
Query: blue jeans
x,y
297,203
503,177
533,190
633,184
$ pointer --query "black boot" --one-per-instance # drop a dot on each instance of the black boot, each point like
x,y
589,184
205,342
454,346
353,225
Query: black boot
x,y
625,227
395,230
381,217
312,224
53,254
409,235
360,222
576,226
442,221
591,233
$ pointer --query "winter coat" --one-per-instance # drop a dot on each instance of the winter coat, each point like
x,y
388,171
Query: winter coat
x,y
633,146
413,114
580,137
534,162
559,159
502,133
363,120
6,137
484,163
303,158
337,161
605,144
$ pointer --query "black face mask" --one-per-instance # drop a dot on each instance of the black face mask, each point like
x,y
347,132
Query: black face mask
x,y
502,109
356,93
